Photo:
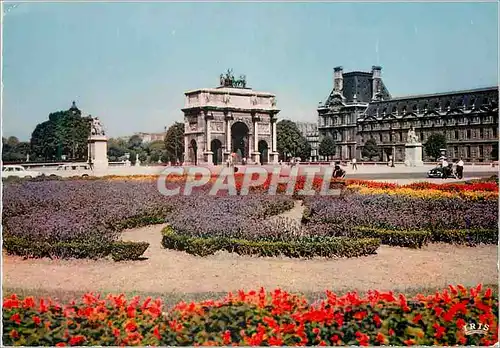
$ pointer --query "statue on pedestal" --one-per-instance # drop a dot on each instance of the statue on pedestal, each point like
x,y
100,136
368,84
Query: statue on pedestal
x,y
96,127
412,136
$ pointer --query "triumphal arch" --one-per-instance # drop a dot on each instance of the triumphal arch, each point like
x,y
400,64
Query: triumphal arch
x,y
230,121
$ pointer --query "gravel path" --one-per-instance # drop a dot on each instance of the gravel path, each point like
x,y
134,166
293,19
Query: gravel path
x,y
172,271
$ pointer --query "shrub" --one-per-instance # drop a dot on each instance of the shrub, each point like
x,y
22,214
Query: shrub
x,y
304,248
471,237
257,318
122,251
65,250
410,239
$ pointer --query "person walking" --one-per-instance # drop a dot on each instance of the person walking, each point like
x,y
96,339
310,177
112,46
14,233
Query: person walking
x,y
460,169
454,169
354,165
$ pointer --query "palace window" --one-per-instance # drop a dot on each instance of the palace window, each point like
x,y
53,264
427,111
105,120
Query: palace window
x,y
468,151
394,110
481,133
455,152
414,107
481,152
456,134
380,137
469,134
495,135
422,138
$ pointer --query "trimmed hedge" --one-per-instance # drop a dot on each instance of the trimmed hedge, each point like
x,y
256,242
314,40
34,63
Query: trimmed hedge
x,y
409,239
470,237
78,250
121,251
326,247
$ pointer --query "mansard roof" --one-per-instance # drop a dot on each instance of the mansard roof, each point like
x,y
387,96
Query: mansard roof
x,y
359,84
454,102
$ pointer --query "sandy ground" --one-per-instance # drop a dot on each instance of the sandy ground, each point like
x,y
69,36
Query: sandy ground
x,y
173,271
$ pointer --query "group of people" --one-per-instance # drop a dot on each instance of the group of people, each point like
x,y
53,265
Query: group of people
x,y
454,169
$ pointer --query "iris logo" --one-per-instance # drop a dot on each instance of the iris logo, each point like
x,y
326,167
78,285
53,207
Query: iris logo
x,y
474,329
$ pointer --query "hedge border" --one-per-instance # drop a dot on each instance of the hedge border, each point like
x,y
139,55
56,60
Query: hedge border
x,y
119,250
328,247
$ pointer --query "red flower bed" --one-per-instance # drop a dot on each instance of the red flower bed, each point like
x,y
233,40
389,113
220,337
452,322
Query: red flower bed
x,y
258,318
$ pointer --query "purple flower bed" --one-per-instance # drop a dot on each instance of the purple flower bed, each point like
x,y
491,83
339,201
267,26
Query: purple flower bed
x,y
82,210
400,212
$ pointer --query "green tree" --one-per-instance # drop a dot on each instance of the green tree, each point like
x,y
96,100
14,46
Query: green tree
x,y
135,142
117,149
156,150
65,133
174,143
290,141
370,149
13,150
434,144
327,147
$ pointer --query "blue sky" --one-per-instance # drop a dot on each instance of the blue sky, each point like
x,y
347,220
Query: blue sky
x,y
130,63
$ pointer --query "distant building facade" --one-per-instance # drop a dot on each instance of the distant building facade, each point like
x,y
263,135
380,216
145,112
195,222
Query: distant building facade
x,y
310,131
150,137
230,119
360,107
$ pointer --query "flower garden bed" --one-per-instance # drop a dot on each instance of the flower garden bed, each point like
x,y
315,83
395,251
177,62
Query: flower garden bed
x,y
257,318
84,218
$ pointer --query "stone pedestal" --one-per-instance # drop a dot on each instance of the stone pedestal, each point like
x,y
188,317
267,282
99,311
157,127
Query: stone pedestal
x,y
274,157
209,157
137,163
98,151
256,157
413,155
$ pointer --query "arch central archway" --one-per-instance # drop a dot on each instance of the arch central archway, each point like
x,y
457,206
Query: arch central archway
x,y
216,148
239,140
193,152
264,152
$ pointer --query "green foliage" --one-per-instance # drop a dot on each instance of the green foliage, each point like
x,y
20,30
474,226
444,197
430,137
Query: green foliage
x,y
123,251
135,142
327,147
370,149
13,150
65,133
434,144
306,248
291,141
471,237
409,239
174,143
74,250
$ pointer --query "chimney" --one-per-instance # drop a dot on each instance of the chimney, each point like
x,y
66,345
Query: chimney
x,y
377,82
338,79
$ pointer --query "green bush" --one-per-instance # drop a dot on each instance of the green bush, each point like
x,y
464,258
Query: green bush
x,y
409,239
122,251
77,250
326,247
471,237
65,250
150,218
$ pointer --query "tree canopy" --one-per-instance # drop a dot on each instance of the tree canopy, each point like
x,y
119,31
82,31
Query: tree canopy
x,y
13,150
65,133
174,143
370,149
327,147
291,141
434,144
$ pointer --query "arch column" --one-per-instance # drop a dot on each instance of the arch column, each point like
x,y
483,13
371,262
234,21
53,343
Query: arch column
x,y
208,135
255,152
274,152
227,153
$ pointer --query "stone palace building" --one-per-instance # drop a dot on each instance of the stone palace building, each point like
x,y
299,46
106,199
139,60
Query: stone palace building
x,y
360,107
231,120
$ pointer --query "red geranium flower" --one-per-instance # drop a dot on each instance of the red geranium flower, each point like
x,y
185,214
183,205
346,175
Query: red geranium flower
x,y
76,340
